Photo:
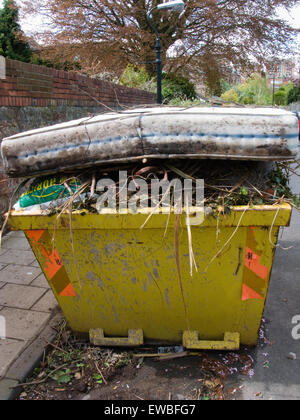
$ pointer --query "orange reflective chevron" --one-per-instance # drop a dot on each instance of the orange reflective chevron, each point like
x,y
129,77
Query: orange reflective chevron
x,y
255,274
68,291
252,261
52,264
35,234
249,293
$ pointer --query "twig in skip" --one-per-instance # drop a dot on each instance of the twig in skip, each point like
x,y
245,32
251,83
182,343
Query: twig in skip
x,y
93,97
93,185
227,242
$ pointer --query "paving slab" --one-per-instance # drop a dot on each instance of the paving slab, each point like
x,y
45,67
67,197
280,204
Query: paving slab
x,y
46,304
16,234
14,242
6,390
18,296
23,324
9,351
22,288
23,366
35,264
2,266
13,234
3,251
16,256
40,281
19,274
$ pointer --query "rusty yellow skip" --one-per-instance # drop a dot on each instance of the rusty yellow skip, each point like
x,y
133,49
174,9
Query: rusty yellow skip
x,y
123,285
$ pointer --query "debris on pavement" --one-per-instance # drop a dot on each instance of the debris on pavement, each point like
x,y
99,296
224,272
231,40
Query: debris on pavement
x,y
292,356
170,349
74,369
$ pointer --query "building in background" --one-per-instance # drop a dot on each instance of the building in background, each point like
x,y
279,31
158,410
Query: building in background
x,y
281,72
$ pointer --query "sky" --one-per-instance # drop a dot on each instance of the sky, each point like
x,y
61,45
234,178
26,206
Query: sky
x,y
29,24
292,17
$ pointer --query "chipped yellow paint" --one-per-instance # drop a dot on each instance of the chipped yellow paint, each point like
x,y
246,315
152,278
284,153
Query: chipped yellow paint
x,y
126,278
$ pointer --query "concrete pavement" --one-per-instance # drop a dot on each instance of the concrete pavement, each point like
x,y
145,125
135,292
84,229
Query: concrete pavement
x,y
27,306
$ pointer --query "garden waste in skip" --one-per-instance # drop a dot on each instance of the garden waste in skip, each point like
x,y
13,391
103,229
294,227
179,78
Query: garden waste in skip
x,y
197,277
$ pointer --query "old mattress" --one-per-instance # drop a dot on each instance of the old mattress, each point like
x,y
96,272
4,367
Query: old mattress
x,y
262,134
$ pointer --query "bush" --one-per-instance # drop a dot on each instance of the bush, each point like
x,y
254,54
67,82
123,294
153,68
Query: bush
x,y
12,40
224,86
254,91
173,87
177,87
280,97
230,96
294,93
137,78
187,103
55,63
282,94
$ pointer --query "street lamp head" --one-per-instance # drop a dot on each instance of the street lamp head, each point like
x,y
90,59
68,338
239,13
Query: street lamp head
x,y
174,5
177,5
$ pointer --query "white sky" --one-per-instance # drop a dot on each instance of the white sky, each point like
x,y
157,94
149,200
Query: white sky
x,y
293,17
28,24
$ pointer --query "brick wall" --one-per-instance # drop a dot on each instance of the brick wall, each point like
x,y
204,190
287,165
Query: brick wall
x,y
33,96
26,85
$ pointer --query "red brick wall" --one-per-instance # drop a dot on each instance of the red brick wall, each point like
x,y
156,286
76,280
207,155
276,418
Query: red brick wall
x,y
32,96
31,85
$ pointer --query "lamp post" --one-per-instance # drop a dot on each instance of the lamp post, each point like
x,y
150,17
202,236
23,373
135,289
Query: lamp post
x,y
273,88
170,5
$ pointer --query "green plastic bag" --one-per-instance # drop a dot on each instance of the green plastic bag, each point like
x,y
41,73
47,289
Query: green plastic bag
x,y
46,189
